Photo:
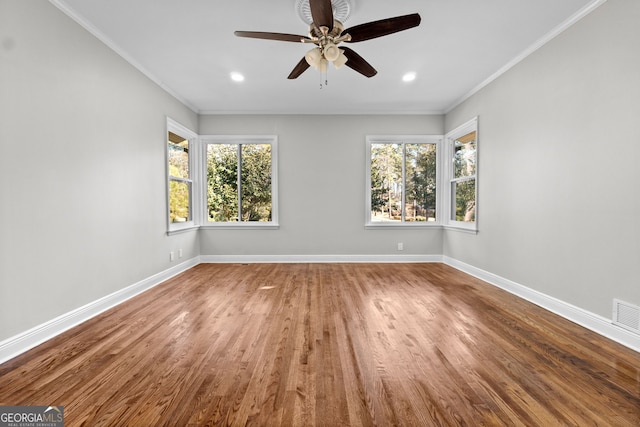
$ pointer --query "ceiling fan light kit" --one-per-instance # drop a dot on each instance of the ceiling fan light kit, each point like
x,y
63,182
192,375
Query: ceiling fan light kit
x,y
319,59
327,32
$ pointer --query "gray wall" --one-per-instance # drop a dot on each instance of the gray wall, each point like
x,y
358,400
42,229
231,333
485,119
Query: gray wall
x,y
559,173
82,166
322,187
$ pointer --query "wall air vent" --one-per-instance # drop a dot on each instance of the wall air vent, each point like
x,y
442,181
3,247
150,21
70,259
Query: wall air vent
x,y
626,315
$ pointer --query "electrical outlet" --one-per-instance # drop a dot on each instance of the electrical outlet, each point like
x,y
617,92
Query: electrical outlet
x,y
401,246
180,253
172,256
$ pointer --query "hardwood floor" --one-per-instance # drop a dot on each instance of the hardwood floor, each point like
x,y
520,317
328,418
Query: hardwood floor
x,y
330,345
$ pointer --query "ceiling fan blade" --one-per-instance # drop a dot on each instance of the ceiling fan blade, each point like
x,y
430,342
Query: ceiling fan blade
x,y
300,68
357,62
384,27
271,36
322,13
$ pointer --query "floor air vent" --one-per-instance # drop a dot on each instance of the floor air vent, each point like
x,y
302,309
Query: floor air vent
x,y
626,315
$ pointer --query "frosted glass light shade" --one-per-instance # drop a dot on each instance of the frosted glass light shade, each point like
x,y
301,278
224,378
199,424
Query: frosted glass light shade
x,y
331,52
313,57
322,67
341,60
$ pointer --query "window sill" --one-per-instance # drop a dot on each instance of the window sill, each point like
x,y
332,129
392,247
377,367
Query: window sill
x,y
391,225
182,229
467,230
241,226
434,226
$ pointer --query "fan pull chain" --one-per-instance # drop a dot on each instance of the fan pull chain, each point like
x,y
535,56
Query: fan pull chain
x,y
326,80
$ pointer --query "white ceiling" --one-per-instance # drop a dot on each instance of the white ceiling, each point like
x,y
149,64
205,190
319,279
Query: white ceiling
x,y
188,47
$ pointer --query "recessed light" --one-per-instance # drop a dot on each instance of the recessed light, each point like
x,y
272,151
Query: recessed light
x,y
237,77
409,77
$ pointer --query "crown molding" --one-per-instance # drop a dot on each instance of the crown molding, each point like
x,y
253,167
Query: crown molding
x,y
573,19
71,13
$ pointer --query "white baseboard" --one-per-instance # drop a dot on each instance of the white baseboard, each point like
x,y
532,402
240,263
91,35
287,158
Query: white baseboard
x,y
248,259
24,341
589,320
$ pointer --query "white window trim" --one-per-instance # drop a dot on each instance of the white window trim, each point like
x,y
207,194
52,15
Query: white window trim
x,y
396,139
238,139
447,204
192,137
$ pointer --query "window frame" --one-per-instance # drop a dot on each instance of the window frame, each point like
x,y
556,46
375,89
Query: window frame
x,y
450,179
437,140
205,141
192,223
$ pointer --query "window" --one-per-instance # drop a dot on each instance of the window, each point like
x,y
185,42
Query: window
x,y
402,180
241,181
462,149
180,142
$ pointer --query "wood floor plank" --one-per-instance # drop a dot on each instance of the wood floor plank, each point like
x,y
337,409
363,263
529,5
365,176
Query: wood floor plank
x,y
328,345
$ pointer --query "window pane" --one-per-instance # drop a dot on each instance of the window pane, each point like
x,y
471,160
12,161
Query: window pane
x,y
256,182
178,156
464,199
222,182
420,172
386,182
464,158
179,196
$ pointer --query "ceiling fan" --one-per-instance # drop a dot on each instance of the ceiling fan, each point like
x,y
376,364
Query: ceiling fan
x,y
327,33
